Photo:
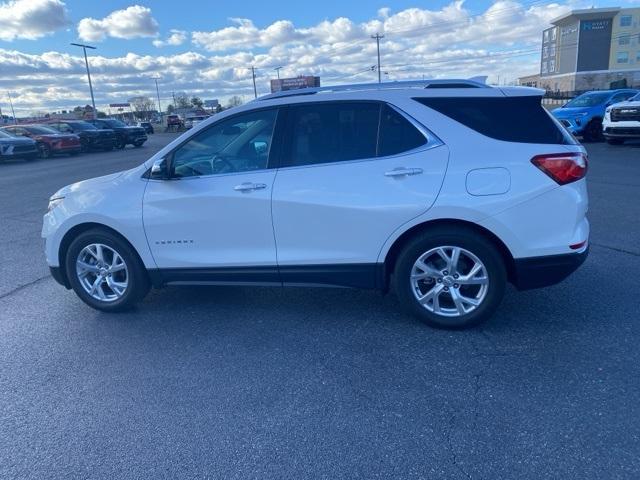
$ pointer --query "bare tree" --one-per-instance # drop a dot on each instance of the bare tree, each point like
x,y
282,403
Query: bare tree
x,y
234,101
182,101
142,106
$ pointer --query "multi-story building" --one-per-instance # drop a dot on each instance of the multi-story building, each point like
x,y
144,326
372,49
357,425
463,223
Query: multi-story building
x,y
595,48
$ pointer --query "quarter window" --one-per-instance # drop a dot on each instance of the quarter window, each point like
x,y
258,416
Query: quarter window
x,y
332,132
397,135
239,144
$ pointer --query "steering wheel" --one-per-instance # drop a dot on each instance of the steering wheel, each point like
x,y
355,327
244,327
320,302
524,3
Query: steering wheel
x,y
219,158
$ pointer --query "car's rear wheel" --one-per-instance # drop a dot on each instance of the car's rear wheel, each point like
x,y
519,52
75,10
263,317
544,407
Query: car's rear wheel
x,y
450,278
105,271
44,151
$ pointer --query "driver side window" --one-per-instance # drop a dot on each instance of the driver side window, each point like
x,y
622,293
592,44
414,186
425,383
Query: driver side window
x,y
238,144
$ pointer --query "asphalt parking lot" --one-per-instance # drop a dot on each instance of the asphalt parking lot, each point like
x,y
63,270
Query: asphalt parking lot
x,y
221,382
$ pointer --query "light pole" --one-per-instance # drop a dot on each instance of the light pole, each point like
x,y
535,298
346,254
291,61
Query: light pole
x,y
277,69
86,63
253,74
15,121
158,94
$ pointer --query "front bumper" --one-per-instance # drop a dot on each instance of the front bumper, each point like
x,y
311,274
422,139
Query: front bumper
x,y
622,132
574,126
537,272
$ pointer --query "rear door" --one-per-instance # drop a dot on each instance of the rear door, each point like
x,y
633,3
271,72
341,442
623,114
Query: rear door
x,y
351,173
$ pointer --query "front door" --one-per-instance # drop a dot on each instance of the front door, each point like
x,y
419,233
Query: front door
x,y
214,213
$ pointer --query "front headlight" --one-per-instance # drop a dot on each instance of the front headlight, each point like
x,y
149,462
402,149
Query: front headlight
x,y
54,202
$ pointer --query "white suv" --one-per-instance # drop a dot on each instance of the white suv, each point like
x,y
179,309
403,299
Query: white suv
x,y
622,121
444,190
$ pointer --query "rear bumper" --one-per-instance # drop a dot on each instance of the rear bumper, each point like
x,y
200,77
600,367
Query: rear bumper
x,y
536,272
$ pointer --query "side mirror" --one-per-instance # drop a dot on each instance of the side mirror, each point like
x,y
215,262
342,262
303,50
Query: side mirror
x,y
160,170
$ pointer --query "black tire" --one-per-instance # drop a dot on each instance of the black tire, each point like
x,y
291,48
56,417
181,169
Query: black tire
x,y
121,144
464,238
615,141
593,131
137,277
44,151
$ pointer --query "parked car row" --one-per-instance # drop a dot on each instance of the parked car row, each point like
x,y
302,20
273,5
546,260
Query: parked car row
x,y
68,137
611,115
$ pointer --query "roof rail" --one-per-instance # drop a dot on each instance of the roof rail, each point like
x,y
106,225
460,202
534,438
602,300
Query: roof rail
x,y
434,83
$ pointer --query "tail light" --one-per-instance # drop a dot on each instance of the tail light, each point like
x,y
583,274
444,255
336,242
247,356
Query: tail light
x,y
562,167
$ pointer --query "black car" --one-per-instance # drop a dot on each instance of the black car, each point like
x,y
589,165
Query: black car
x,y
147,126
17,147
91,137
125,135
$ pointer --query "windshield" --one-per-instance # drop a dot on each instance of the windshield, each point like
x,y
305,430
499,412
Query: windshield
x,y
41,130
5,135
83,126
589,99
114,123
635,99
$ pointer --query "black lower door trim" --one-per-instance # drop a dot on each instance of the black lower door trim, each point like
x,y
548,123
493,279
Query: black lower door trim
x,y
358,275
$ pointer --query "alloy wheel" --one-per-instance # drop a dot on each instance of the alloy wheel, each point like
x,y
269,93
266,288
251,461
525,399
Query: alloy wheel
x,y
449,281
102,272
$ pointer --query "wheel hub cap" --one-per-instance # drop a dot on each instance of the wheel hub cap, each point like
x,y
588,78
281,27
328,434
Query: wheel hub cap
x,y
102,272
449,281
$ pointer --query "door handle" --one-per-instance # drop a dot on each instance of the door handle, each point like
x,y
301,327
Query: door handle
x,y
249,187
402,171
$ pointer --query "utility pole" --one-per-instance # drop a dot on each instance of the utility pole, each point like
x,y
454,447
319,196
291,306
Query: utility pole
x,y
277,69
253,74
377,37
15,121
86,63
173,94
158,94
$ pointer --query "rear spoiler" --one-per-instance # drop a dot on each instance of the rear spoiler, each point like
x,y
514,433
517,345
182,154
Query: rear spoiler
x,y
522,91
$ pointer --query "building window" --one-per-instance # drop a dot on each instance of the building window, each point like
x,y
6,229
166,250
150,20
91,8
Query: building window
x,y
552,50
625,21
552,65
545,37
624,40
553,34
623,57
545,51
544,67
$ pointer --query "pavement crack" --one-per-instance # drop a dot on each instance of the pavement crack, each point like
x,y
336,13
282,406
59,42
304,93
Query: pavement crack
x,y
452,452
616,249
23,286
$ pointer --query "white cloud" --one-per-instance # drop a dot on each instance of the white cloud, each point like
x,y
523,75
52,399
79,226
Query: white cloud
x,y
503,39
176,38
31,19
132,22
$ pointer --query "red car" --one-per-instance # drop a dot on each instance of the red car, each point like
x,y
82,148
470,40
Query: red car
x,y
48,140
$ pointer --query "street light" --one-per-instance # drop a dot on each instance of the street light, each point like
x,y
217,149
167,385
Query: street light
x,y
86,62
158,94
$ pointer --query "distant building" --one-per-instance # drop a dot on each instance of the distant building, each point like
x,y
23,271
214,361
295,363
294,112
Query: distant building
x,y
280,84
596,48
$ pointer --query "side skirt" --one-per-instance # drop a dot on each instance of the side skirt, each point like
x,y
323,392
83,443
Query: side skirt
x,y
358,275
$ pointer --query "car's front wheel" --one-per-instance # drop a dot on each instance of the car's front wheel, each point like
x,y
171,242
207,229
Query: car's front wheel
x,y
450,277
105,271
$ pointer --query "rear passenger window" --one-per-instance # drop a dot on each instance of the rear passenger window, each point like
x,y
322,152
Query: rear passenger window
x,y
512,119
397,134
332,132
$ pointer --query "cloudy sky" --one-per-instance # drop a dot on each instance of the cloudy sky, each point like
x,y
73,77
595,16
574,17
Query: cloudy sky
x,y
206,48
